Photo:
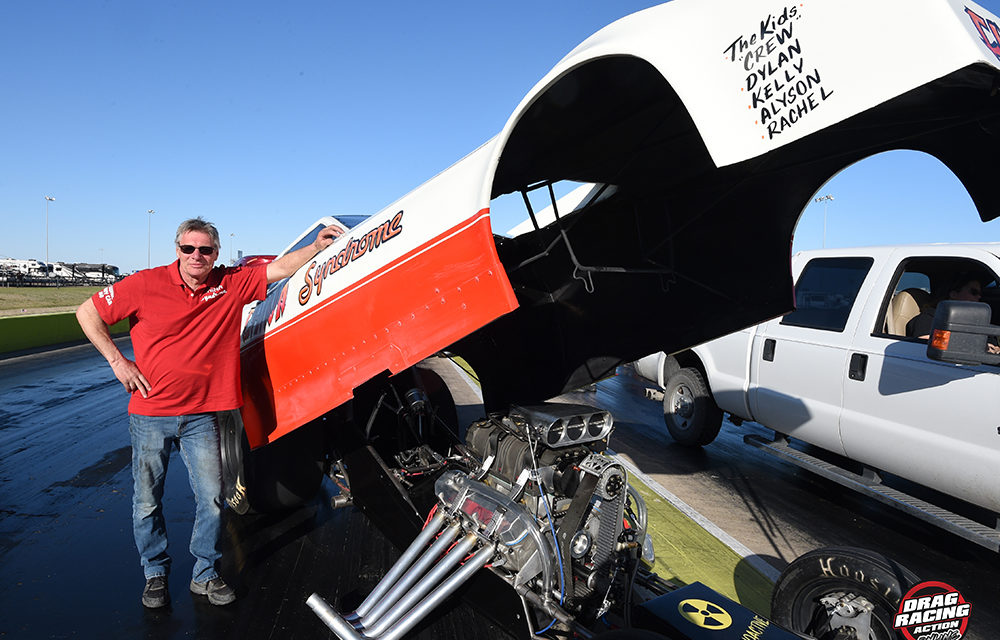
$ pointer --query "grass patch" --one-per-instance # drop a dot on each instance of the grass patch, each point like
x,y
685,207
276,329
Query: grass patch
x,y
44,297
686,553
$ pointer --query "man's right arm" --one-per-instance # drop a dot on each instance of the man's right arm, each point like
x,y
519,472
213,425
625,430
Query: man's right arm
x,y
97,332
289,263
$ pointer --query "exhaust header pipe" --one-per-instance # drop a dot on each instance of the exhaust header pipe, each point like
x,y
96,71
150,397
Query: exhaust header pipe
x,y
419,581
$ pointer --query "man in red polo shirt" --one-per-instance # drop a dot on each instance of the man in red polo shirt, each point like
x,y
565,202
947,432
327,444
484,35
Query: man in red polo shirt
x,y
185,323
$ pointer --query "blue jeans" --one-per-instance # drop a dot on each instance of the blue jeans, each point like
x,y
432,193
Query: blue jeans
x,y
197,436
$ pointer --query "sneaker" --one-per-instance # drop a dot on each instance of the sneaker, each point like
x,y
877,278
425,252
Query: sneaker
x,y
155,593
216,589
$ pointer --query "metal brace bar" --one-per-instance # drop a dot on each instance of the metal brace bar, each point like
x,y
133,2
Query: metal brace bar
x,y
581,272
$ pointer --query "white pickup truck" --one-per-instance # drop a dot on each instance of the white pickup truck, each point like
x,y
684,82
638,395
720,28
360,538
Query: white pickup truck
x,y
841,373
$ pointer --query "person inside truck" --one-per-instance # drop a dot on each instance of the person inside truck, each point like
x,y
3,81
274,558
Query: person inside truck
x,y
964,286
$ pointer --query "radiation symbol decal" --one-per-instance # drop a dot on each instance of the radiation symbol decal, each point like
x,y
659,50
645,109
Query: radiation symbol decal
x,y
705,614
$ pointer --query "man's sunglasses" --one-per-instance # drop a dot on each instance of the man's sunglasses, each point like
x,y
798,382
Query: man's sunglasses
x,y
189,249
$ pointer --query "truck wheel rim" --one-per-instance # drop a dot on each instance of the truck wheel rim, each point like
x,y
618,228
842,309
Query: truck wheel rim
x,y
682,405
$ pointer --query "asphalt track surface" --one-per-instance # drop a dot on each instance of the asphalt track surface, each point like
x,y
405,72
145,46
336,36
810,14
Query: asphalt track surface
x,y
68,567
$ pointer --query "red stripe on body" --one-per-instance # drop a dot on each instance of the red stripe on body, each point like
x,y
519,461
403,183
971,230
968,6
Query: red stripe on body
x,y
397,316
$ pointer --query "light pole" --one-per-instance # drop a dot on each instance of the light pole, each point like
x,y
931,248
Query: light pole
x,y
48,199
231,236
149,224
827,199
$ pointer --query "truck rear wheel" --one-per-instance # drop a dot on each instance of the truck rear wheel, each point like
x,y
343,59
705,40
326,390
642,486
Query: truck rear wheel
x,y
691,415
284,474
809,591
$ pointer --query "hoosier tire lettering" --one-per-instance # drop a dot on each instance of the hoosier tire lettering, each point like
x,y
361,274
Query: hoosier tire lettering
x,y
833,567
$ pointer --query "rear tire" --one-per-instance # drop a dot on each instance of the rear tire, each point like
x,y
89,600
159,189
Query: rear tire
x,y
284,474
795,603
691,415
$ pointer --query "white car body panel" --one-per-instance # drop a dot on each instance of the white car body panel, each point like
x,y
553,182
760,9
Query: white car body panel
x,y
715,90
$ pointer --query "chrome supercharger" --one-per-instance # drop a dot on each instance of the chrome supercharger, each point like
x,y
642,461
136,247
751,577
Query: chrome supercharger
x,y
533,498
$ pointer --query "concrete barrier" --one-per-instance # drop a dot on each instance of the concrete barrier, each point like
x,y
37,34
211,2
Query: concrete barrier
x,y
22,333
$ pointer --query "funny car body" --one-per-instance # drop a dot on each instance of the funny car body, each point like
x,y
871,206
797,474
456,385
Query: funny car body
x,y
695,130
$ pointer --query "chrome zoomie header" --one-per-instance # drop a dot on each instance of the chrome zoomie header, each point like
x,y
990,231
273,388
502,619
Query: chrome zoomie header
x,y
562,425
440,560
471,525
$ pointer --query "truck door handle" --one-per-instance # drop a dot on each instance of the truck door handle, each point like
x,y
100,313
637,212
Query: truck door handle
x,y
859,365
768,353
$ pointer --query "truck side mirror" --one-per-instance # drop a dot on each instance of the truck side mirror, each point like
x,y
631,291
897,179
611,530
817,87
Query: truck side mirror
x,y
960,333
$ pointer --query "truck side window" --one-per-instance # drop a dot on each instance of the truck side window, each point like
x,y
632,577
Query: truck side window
x,y
924,282
825,292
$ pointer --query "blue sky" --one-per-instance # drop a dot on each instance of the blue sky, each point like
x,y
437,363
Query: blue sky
x,y
262,116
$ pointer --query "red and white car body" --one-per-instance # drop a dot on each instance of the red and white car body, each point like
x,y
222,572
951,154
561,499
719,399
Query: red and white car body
x,y
706,128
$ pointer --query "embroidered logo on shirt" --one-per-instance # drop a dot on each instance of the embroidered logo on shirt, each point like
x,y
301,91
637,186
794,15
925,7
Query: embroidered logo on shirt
x,y
212,293
107,294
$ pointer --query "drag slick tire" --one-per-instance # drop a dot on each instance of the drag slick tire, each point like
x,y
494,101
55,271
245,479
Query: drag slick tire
x,y
284,474
796,603
691,415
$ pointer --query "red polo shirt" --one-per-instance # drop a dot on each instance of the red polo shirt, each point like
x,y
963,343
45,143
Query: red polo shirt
x,y
187,343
